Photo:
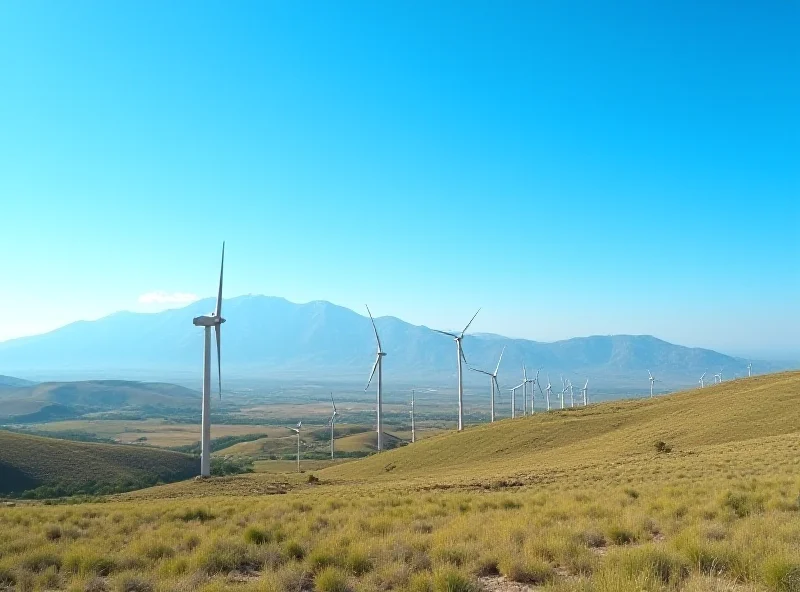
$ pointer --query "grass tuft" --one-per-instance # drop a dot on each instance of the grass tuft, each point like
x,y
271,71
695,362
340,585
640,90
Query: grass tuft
x,y
331,579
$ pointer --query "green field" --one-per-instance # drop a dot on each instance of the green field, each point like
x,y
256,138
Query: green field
x,y
48,467
698,491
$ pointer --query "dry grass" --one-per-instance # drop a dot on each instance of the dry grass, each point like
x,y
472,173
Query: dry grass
x,y
719,513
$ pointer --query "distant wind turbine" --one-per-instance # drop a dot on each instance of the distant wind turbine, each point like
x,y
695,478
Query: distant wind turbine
x,y
584,391
492,378
549,391
460,357
207,321
379,366
702,381
413,430
563,391
514,400
297,431
749,366
333,422
571,394
652,381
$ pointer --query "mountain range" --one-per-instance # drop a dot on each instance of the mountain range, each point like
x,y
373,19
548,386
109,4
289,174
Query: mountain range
x,y
270,337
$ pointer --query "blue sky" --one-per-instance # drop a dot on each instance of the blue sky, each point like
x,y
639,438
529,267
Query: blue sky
x,y
572,168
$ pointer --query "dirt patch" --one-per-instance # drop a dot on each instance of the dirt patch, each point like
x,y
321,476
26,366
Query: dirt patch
x,y
502,584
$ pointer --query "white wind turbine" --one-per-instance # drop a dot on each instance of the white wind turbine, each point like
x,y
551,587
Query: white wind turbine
x,y
702,380
379,366
492,378
563,391
652,381
534,381
571,394
584,390
297,431
413,430
525,382
549,391
718,377
749,367
514,400
460,357
333,422
207,321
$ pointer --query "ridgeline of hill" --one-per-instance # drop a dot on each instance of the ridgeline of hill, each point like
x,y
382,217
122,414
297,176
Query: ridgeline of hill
x,y
734,411
31,466
51,401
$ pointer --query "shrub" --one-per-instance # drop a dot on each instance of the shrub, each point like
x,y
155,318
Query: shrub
x,y
620,536
196,514
420,582
294,550
665,566
158,551
331,579
532,571
743,504
358,563
319,559
84,562
486,566
134,584
225,556
39,561
53,533
663,447
782,575
449,580
7,577
257,536
594,539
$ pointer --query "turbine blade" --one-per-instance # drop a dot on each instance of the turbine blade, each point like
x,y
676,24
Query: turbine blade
x,y
374,328
446,333
479,370
651,376
219,360
500,360
375,367
332,403
470,322
218,310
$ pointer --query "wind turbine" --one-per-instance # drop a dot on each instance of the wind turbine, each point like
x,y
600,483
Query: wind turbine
x,y
207,321
514,401
492,378
563,391
718,377
549,391
413,431
749,366
652,381
702,381
333,422
583,391
571,394
535,381
379,366
297,431
460,356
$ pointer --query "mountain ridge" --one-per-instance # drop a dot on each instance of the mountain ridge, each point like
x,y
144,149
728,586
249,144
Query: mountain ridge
x,y
269,336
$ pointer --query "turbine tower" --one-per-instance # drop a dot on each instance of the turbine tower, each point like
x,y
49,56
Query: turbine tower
x,y
460,357
333,422
549,391
492,378
571,394
379,366
749,367
702,381
652,380
207,321
584,391
514,401
563,391
413,430
297,431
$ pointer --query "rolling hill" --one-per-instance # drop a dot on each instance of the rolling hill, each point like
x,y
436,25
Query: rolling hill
x,y
272,337
61,400
11,381
734,412
59,467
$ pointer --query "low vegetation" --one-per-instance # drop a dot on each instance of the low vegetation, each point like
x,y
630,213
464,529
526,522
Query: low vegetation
x,y
720,513
35,467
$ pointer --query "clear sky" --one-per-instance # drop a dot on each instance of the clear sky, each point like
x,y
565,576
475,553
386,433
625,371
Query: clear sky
x,y
572,167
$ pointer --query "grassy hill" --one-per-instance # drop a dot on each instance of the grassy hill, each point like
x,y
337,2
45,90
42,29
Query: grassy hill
x,y
11,381
573,501
731,412
59,400
366,442
57,467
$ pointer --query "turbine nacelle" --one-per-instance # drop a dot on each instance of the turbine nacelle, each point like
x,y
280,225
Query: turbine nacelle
x,y
208,321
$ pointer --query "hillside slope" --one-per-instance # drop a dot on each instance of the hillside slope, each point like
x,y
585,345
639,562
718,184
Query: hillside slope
x,y
65,467
734,411
69,399
269,336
